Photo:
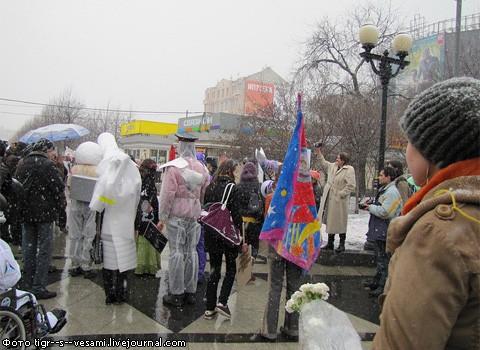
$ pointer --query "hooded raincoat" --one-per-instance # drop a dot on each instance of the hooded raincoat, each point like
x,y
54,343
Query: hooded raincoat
x,y
117,192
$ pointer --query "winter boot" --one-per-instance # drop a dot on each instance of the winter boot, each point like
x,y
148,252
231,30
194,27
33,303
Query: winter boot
x,y
341,246
329,245
108,286
175,300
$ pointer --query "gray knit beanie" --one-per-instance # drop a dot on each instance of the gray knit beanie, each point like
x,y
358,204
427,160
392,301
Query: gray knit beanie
x,y
443,122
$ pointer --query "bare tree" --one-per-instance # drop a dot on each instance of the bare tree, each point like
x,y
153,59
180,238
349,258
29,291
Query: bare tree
x,y
345,98
271,129
67,109
64,109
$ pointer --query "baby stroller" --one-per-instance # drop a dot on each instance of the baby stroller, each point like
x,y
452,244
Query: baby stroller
x,y
24,322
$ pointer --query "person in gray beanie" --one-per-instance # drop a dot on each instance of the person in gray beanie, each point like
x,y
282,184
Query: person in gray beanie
x,y
443,122
434,272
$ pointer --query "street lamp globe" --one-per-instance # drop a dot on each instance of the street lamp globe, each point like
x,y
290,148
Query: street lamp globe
x,y
368,34
402,42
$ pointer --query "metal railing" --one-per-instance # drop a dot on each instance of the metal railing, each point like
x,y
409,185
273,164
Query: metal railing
x,y
420,29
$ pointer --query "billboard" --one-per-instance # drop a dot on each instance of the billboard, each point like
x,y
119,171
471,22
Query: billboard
x,y
199,123
427,60
148,127
258,97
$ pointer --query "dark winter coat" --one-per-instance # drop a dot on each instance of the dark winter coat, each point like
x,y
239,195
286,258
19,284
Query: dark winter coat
x,y
245,190
213,194
148,206
15,196
44,189
13,193
317,192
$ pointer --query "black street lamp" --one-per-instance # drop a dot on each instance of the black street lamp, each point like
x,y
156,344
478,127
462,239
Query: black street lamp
x,y
402,43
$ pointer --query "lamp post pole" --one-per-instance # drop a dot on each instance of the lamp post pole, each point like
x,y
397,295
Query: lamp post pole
x,y
386,71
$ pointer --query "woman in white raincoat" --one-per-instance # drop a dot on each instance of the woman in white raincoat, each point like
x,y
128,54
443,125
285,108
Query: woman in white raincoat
x,y
118,193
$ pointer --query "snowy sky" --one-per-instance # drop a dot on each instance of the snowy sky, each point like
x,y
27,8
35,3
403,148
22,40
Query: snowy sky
x,y
155,55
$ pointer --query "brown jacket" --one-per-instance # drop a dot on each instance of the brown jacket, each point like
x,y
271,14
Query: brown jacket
x,y
432,298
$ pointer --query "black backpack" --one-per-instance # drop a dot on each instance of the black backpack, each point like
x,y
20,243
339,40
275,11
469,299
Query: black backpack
x,y
255,206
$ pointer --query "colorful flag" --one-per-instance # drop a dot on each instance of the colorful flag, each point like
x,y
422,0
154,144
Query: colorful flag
x,y
291,225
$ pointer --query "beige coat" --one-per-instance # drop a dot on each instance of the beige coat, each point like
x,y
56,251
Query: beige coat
x,y
432,298
340,184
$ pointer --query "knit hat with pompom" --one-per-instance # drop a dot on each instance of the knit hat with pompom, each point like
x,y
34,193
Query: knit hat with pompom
x,y
443,122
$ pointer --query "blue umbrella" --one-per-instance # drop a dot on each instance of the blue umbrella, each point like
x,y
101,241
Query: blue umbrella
x,y
55,132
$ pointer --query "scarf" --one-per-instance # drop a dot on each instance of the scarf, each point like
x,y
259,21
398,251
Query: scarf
x,y
467,167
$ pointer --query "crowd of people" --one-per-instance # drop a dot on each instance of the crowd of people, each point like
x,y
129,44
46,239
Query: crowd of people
x,y
426,244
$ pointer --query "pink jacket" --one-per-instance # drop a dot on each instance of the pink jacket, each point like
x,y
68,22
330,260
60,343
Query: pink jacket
x,y
183,190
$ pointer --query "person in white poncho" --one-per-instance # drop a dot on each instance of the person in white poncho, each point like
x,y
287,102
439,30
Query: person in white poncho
x,y
81,217
117,193
181,200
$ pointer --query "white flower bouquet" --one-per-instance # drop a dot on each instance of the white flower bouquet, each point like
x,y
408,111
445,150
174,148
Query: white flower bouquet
x,y
307,293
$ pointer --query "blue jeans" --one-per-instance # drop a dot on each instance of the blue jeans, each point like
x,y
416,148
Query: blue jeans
x,y
37,246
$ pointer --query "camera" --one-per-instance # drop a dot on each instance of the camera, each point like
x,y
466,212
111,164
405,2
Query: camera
x,y
363,204
318,144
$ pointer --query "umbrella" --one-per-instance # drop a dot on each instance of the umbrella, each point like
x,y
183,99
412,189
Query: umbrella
x,y
55,132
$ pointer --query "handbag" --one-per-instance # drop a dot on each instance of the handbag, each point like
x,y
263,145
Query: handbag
x,y
219,219
96,253
155,237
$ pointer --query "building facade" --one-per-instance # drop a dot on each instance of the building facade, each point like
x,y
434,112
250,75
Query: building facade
x,y
226,105
243,96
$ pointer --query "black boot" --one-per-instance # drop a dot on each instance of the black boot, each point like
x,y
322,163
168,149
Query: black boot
x,y
108,286
175,300
341,246
329,245
121,287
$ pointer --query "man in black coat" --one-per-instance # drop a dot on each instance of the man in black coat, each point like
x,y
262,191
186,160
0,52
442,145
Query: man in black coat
x,y
45,197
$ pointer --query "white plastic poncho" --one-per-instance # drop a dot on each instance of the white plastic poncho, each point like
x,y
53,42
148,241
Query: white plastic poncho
x,y
81,219
117,192
181,197
9,270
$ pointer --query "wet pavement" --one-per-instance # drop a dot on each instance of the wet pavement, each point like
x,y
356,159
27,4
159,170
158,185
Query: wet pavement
x,y
145,317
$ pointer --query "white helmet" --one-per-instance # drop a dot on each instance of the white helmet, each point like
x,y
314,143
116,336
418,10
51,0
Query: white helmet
x,y
266,188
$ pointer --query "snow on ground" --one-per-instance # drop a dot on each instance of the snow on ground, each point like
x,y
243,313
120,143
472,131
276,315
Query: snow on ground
x,y
357,227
